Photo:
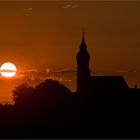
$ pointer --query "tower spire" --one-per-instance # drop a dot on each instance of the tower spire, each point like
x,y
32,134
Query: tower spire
x,y
83,71
83,45
83,39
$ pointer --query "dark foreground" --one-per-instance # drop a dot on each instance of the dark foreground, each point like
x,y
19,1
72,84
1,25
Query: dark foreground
x,y
52,111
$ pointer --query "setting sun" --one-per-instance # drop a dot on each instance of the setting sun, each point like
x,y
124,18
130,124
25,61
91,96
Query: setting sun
x,y
8,70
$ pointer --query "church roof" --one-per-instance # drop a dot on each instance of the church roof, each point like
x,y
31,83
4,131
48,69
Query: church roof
x,y
108,83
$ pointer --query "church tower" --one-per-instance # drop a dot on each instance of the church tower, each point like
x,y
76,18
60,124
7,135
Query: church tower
x,y
83,71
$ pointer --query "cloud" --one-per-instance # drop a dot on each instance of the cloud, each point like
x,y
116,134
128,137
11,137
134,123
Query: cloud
x,y
38,75
70,6
75,6
34,74
126,71
28,9
67,71
60,79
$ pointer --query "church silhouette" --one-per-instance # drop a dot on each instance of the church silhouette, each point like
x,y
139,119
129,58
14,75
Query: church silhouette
x,y
106,102
97,84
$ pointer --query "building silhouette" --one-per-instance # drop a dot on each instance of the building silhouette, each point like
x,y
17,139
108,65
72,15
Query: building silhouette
x,y
96,84
83,71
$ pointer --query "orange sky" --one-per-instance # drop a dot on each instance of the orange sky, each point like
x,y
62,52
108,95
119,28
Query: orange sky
x,y
47,35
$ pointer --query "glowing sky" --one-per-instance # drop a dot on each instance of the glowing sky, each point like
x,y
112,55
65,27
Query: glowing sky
x,y
47,35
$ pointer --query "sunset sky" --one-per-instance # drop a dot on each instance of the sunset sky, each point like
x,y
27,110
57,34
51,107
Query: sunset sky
x,y
44,37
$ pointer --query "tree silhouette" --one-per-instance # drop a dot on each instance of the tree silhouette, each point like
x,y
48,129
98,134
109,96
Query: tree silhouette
x,y
45,107
23,93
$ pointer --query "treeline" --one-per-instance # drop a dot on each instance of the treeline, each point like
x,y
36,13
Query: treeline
x,y
51,110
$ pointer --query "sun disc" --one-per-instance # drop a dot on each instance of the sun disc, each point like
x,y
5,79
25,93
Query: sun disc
x,y
8,70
